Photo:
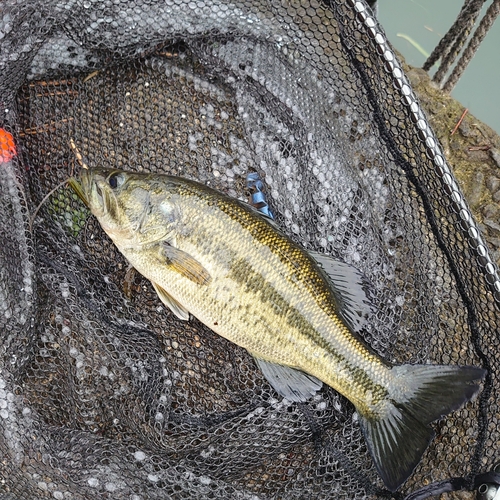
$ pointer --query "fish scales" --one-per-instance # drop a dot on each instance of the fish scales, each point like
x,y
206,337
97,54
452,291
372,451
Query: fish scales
x,y
297,313
256,297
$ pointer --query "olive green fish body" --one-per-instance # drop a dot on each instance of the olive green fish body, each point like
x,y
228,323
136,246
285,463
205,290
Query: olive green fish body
x,y
226,264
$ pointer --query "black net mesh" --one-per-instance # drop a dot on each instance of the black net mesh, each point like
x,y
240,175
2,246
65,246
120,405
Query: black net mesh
x,y
103,392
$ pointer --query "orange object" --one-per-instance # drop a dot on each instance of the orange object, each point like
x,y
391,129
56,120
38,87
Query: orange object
x,y
7,147
460,121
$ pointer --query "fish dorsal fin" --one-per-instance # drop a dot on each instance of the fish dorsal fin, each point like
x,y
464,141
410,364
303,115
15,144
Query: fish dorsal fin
x,y
178,309
292,384
185,264
350,287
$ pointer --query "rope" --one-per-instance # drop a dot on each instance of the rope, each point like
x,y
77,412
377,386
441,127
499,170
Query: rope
x,y
483,28
450,46
455,37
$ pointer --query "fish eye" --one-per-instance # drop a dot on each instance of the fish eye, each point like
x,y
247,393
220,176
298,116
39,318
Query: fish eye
x,y
115,180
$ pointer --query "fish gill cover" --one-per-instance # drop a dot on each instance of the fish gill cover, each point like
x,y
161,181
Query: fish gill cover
x,y
104,393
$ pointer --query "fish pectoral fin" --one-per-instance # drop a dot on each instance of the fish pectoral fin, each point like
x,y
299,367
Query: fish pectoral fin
x,y
398,436
185,264
178,309
350,287
292,384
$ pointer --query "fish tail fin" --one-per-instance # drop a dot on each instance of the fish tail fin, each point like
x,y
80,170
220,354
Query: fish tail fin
x,y
399,434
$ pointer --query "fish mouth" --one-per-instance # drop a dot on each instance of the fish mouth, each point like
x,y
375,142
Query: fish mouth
x,y
88,190
79,189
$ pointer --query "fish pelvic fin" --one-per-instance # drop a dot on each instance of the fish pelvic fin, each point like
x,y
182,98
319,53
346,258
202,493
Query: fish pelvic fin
x,y
420,394
176,307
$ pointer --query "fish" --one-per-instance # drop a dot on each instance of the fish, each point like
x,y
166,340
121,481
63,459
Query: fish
x,y
298,313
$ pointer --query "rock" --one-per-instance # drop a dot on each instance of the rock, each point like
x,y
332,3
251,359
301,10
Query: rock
x,y
491,211
465,129
474,192
495,154
493,227
493,183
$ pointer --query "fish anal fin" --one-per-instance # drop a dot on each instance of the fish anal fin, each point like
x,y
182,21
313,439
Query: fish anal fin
x,y
292,384
420,394
350,287
184,264
178,309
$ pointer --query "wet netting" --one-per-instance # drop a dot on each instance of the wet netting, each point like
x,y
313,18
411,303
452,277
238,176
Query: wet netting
x,y
106,394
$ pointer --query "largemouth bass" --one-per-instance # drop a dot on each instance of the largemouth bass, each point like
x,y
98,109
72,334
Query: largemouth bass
x,y
297,313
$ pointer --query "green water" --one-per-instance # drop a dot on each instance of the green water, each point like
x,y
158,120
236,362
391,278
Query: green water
x,y
425,22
